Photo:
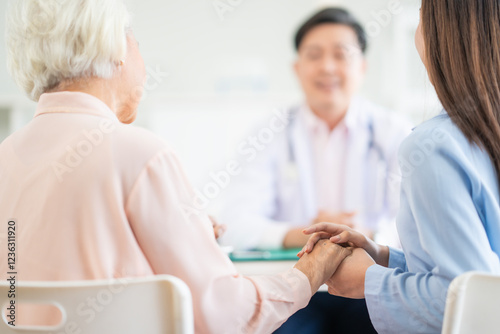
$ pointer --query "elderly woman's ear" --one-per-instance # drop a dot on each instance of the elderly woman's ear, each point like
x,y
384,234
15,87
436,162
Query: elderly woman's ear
x,y
130,81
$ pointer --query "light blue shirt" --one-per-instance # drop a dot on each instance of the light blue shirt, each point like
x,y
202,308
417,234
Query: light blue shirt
x,y
449,223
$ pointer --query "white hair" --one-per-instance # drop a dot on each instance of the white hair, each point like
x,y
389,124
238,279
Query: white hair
x,y
49,41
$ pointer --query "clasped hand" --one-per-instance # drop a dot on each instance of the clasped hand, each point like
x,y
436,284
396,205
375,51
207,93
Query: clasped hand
x,y
349,278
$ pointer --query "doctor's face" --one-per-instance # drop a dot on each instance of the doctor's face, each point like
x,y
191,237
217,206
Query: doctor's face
x,y
330,67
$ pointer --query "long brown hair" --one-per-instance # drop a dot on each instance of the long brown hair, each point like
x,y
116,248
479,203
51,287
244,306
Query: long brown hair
x,y
462,42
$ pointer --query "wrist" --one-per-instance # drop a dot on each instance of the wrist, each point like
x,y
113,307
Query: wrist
x,y
382,255
311,274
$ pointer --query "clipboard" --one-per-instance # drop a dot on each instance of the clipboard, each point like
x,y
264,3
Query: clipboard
x,y
265,255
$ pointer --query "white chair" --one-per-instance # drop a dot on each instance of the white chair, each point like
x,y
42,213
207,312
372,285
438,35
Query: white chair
x,y
473,305
152,305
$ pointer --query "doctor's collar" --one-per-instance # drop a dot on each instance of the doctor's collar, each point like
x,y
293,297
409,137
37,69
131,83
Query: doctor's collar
x,y
350,116
314,123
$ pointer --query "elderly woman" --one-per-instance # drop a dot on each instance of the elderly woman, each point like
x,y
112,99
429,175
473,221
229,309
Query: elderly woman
x,y
94,198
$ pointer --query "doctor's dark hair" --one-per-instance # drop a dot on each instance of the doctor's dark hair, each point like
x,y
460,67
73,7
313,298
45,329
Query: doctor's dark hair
x,y
462,55
332,15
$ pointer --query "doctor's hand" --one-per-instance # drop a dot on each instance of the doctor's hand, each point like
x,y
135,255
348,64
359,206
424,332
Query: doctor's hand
x,y
343,218
341,234
295,238
349,279
320,264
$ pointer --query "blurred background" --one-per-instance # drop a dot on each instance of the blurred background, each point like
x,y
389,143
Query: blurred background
x,y
218,67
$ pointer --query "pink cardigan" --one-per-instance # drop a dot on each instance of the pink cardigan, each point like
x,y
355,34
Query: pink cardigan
x,y
95,199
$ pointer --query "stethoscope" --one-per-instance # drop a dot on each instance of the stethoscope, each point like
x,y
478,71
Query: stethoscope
x,y
379,164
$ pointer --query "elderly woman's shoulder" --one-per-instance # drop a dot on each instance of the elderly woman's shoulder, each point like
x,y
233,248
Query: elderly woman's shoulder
x,y
138,143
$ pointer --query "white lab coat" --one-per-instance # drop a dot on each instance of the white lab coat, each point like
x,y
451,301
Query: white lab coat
x,y
276,191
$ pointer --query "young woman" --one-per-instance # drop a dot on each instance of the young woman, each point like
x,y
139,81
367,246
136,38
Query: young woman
x,y
449,219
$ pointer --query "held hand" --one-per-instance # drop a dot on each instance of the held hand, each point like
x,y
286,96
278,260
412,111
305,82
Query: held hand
x,y
218,229
320,264
349,279
296,239
341,234
342,218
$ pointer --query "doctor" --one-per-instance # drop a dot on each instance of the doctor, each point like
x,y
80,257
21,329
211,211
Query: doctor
x,y
335,161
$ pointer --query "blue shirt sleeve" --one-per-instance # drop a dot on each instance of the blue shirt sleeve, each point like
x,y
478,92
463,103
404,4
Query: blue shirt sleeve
x,y
442,235
397,259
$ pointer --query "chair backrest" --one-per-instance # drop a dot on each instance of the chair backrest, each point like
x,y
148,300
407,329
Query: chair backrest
x,y
473,304
157,304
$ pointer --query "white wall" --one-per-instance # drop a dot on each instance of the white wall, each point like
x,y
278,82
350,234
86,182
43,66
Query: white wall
x,y
211,79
